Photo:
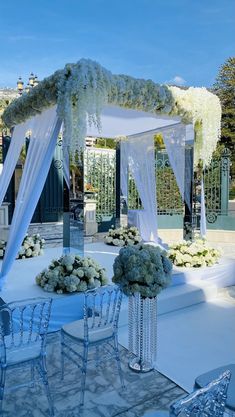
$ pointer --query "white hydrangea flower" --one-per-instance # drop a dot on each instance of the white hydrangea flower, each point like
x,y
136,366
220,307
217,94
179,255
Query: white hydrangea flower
x,y
64,276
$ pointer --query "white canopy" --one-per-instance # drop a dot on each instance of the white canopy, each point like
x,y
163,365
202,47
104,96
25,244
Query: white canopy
x,y
117,121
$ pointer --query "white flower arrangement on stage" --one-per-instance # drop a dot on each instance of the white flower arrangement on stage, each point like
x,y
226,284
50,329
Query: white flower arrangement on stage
x,y
123,236
2,248
81,90
72,273
193,254
143,269
31,246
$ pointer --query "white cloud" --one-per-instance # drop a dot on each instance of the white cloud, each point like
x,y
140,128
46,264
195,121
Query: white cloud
x,y
177,80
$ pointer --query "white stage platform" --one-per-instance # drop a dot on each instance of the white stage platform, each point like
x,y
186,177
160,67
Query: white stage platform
x,y
193,340
198,285
196,330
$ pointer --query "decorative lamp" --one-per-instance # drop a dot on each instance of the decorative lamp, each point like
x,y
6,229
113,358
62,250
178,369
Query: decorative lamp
x,y
31,79
35,82
20,85
28,87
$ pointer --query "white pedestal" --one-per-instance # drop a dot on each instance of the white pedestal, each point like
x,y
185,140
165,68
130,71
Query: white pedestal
x,y
90,223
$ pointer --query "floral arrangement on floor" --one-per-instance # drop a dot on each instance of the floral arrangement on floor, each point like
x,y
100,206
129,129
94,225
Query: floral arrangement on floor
x,y
31,246
193,254
123,236
72,273
143,269
2,248
82,89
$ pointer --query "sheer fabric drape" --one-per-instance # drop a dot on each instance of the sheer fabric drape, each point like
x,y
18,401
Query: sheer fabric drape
x,y
174,139
141,158
45,129
13,153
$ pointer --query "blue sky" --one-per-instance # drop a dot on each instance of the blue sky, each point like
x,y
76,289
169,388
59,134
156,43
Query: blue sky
x,y
182,41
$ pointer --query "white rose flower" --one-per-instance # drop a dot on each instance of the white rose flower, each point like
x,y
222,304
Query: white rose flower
x,y
28,252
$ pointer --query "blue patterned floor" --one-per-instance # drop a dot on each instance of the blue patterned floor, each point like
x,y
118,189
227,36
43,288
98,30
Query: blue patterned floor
x,y
103,397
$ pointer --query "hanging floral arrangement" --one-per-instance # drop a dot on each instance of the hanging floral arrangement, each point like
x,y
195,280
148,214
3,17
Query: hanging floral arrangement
x,y
81,90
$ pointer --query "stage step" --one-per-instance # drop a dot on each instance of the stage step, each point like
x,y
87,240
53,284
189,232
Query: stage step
x,y
178,297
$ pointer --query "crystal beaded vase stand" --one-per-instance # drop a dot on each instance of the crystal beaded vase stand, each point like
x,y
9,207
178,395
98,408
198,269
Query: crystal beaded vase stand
x,y
142,332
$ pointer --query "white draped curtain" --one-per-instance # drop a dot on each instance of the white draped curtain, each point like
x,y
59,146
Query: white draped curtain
x,y
135,149
45,129
141,158
174,139
13,153
124,168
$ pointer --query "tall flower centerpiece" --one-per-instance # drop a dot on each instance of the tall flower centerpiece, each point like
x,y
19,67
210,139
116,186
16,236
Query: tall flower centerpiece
x,y
142,271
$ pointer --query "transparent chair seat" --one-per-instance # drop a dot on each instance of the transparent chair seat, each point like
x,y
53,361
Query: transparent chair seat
x,y
76,330
23,330
17,353
97,331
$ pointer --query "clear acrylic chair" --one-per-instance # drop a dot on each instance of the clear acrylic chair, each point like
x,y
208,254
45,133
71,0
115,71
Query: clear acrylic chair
x,y
23,341
205,402
205,378
97,329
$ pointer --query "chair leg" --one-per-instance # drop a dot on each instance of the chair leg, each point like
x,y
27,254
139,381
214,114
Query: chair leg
x,y
2,386
43,369
32,374
97,352
62,355
84,370
117,356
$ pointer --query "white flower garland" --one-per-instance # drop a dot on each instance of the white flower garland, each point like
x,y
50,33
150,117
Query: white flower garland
x,y
81,90
82,93
203,109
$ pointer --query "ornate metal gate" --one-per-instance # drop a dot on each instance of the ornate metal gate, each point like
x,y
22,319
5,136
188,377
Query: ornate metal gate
x,y
216,178
100,173
99,167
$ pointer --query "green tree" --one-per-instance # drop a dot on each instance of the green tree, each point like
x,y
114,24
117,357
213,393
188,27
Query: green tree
x,y
224,87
